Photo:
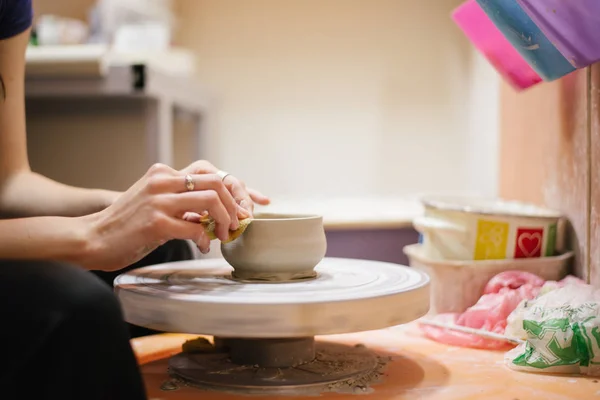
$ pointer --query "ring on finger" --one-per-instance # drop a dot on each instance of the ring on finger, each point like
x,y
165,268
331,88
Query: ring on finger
x,y
189,183
222,174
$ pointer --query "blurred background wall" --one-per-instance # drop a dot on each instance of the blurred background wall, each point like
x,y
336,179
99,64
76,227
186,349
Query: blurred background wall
x,y
310,98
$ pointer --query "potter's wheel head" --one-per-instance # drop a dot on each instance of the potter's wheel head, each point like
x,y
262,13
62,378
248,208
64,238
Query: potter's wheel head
x,y
200,297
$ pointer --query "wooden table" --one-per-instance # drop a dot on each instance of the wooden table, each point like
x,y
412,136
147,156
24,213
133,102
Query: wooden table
x,y
420,369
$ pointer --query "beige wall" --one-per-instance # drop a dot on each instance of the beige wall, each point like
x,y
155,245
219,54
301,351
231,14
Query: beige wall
x,y
334,97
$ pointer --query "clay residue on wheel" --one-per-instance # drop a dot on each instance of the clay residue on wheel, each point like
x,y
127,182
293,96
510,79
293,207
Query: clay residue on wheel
x,y
361,384
336,369
273,277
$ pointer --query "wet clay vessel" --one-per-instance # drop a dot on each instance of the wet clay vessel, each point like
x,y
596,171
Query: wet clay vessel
x,y
277,247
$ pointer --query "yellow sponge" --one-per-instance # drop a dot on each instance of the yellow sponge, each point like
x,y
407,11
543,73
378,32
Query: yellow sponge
x,y
209,228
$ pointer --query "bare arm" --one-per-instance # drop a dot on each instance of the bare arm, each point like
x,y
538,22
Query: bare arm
x,y
148,214
27,194
45,238
24,193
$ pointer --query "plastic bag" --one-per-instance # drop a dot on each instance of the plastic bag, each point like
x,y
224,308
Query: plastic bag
x,y
502,295
562,329
514,323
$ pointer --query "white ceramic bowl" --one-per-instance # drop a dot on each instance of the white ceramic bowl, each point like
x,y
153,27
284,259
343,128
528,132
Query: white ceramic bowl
x,y
465,228
457,285
277,247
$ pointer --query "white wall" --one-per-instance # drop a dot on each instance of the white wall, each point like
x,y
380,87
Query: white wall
x,y
482,150
345,97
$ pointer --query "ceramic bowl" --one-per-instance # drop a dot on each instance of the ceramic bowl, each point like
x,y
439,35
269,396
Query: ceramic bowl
x,y
469,228
277,247
457,285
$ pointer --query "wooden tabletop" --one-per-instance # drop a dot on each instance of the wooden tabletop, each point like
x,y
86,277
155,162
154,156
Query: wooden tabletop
x,y
420,369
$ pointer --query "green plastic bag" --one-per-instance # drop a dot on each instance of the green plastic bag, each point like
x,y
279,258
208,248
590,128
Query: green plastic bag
x,y
562,331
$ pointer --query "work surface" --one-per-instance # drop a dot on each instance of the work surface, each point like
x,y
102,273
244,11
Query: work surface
x,y
420,369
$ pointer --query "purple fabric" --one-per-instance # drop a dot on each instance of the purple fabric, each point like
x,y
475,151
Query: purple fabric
x,y
376,244
571,25
16,17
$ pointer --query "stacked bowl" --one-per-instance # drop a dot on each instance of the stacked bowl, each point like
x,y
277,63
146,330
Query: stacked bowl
x,y
466,241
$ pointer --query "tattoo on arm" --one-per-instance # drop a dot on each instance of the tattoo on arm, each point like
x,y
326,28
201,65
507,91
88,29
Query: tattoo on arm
x,y
2,89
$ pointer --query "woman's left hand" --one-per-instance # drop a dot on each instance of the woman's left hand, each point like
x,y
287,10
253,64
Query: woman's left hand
x,y
245,197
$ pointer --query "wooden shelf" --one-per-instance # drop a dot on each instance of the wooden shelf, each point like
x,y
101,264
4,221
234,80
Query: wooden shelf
x,y
68,73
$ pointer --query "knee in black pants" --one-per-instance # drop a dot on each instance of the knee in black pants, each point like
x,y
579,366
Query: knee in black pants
x,y
175,250
66,334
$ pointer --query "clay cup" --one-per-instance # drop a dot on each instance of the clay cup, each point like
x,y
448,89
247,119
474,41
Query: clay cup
x,y
277,247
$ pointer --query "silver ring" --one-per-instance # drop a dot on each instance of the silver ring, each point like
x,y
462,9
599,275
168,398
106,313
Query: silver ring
x,y
222,175
189,183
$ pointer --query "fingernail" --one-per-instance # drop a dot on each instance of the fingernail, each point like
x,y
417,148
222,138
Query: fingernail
x,y
204,251
235,224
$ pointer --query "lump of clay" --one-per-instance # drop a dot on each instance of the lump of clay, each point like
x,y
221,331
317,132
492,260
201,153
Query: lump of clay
x,y
198,345
209,227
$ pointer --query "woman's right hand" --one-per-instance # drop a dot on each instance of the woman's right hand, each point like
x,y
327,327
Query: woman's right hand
x,y
151,213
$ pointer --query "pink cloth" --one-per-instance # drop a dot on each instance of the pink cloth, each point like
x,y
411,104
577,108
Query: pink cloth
x,y
512,280
501,296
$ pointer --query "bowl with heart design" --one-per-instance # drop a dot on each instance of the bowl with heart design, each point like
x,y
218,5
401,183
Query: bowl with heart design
x,y
472,228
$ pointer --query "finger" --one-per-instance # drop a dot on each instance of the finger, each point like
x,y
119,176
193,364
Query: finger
x,y
198,202
159,169
193,217
203,243
200,167
258,197
185,230
210,182
239,192
243,213
247,205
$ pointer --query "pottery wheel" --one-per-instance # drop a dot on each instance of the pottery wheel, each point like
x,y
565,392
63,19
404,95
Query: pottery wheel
x,y
334,367
200,297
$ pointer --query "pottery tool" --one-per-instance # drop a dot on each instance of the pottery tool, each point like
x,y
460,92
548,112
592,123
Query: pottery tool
x,y
209,227
472,331
572,26
264,332
490,42
527,38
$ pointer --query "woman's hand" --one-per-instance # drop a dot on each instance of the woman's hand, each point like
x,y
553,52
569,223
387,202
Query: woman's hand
x,y
243,196
151,213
